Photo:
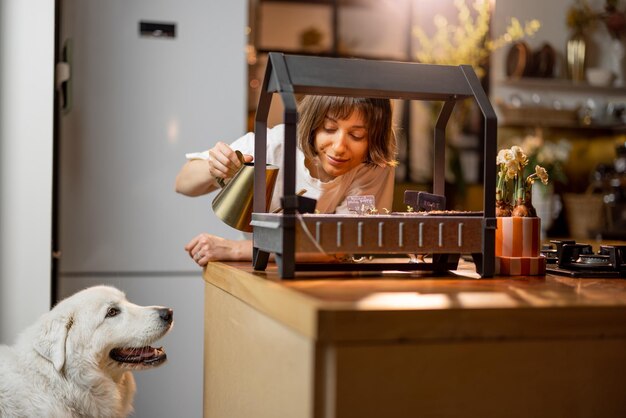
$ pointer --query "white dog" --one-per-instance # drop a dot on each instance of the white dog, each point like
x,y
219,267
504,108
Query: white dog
x,y
76,360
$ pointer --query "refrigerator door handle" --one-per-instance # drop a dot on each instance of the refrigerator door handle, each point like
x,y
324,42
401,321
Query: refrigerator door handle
x,y
63,77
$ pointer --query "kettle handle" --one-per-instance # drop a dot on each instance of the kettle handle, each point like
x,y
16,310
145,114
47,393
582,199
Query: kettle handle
x,y
220,180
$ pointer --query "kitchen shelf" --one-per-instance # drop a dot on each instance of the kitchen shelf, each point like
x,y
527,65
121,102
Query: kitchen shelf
x,y
561,85
511,116
538,115
593,129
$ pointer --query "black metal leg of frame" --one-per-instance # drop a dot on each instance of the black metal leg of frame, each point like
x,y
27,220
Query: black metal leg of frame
x,y
279,263
445,262
259,259
478,261
286,266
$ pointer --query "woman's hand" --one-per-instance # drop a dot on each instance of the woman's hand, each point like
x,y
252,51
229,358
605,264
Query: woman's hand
x,y
224,161
199,177
206,247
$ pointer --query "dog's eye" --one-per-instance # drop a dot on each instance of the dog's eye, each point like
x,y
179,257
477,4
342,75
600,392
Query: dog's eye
x,y
111,312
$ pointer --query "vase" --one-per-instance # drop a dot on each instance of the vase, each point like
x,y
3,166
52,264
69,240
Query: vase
x,y
618,53
575,54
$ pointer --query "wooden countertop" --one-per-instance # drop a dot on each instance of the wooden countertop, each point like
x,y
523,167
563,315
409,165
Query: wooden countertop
x,y
361,306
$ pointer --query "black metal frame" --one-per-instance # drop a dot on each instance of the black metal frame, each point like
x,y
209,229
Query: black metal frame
x,y
291,74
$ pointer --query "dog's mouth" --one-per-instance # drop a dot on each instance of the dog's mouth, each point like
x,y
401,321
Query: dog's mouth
x,y
148,356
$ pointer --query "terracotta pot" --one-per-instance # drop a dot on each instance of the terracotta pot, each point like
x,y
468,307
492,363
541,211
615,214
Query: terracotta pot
x,y
517,247
518,236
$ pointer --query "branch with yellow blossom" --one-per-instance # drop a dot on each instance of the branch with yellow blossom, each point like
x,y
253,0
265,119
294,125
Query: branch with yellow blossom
x,y
468,42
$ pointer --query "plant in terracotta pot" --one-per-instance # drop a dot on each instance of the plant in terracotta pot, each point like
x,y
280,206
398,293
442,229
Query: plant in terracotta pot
x,y
518,227
513,190
551,154
508,169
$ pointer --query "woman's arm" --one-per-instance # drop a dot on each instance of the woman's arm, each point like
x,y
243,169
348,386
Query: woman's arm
x,y
198,176
206,247
195,179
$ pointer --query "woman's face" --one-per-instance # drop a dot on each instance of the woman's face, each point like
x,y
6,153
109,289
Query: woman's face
x,y
341,145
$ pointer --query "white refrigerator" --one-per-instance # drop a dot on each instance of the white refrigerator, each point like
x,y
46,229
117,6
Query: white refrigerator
x,y
148,81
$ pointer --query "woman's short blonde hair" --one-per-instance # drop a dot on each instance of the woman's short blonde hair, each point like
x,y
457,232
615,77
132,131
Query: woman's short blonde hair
x,y
377,113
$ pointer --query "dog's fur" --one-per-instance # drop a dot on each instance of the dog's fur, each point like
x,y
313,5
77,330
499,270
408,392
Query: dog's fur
x,y
68,364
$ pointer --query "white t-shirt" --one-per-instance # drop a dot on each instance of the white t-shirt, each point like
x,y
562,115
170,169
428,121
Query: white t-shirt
x,y
365,179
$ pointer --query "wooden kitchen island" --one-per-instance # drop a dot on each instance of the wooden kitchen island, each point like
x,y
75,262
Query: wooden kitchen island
x,y
392,344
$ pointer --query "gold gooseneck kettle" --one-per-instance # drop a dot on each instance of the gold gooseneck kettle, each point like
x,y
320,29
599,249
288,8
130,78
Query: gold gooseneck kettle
x,y
233,204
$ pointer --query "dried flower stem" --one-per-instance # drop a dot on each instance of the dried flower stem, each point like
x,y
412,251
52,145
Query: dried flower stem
x,y
511,174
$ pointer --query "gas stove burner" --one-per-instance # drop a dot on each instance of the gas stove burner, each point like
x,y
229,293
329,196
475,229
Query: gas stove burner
x,y
593,261
554,251
550,254
573,259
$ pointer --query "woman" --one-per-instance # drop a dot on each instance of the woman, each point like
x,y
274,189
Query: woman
x,y
346,147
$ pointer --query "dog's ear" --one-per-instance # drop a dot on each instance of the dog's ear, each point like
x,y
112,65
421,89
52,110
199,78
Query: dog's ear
x,y
50,343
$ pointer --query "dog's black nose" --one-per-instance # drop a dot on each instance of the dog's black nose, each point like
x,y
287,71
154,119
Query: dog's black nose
x,y
166,314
